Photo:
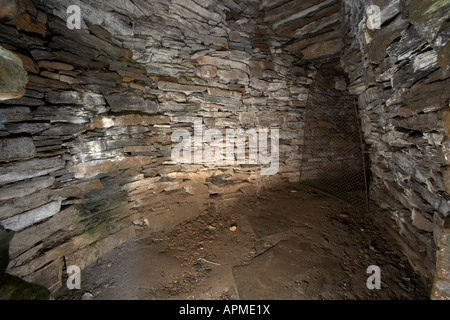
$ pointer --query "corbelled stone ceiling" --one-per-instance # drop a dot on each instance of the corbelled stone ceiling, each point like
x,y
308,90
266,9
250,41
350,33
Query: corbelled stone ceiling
x,y
313,27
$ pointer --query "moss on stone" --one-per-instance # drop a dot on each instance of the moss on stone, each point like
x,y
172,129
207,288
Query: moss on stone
x,y
436,5
5,239
429,17
95,233
13,77
14,288
421,10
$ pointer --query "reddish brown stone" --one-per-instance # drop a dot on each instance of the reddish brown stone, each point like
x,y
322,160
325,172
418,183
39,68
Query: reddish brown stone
x,y
27,23
55,65
446,121
28,64
322,49
127,79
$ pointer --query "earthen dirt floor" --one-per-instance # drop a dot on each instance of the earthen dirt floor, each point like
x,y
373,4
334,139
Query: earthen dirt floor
x,y
286,244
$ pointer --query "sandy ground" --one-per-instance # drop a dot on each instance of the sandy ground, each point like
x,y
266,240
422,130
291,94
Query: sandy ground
x,y
286,244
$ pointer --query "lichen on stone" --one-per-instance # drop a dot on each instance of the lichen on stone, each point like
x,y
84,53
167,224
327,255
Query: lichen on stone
x,y
429,18
13,77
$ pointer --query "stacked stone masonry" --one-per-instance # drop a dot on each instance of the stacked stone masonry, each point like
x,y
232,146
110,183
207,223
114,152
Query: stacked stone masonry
x,y
86,152
402,79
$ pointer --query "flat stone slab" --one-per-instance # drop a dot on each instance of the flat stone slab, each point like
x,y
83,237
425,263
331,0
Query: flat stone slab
x,y
13,77
17,149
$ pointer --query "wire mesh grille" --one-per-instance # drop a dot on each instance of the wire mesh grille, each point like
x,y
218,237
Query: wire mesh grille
x,y
333,156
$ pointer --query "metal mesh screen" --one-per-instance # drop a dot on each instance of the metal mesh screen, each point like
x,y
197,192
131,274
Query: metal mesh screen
x,y
333,156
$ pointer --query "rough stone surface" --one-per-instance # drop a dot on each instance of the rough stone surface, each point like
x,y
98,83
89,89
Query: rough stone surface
x,y
403,105
441,286
5,237
27,219
430,18
101,105
102,102
29,169
13,77
18,148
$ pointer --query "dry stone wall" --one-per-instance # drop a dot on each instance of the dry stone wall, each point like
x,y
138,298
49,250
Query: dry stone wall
x,y
402,75
86,153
